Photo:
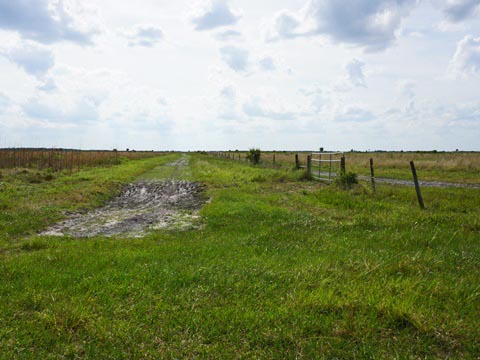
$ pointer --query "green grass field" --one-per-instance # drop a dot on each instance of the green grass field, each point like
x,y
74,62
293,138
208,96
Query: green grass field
x,y
282,268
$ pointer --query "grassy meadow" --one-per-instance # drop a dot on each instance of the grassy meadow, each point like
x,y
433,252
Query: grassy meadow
x,y
281,268
462,167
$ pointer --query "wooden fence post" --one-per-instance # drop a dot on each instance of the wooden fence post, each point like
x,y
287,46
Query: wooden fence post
x,y
372,175
417,185
342,165
274,158
297,163
309,164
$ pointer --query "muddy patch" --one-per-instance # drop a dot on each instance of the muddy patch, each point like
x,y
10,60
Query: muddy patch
x,y
141,207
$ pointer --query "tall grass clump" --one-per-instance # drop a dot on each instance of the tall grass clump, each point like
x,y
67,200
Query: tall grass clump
x,y
346,181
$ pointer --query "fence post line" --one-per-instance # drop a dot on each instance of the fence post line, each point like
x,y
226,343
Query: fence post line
x,y
342,165
309,164
417,185
273,158
297,163
372,175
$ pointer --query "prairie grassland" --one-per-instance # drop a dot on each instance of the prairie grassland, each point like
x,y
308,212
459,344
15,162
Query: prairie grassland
x,y
461,167
63,159
282,268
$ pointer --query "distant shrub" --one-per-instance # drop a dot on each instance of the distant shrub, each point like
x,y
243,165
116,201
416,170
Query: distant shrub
x,y
254,156
346,180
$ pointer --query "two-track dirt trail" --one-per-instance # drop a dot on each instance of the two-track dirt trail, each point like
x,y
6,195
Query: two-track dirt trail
x,y
148,204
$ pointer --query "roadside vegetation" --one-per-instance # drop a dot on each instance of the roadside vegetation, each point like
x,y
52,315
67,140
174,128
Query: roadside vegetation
x,y
282,268
462,167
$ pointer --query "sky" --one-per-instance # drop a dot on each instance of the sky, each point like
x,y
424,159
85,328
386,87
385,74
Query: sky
x,y
219,74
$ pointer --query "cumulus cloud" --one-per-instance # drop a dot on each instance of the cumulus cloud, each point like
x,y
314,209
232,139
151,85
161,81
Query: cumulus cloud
x,y
144,35
48,21
355,73
353,76
35,59
236,58
285,25
459,10
371,24
466,60
213,14
267,63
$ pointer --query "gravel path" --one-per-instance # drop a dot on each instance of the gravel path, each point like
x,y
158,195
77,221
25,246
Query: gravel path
x,y
440,184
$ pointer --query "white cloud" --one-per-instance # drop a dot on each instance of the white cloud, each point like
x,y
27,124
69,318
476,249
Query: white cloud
x,y
354,76
255,108
81,110
144,35
285,25
459,10
48,21
355,73
406,88
236,58
35,59
214,13
320,99
466,113
48,85
466,60
371,24
228,35
267,63
228,103
4,102
228,92
354,114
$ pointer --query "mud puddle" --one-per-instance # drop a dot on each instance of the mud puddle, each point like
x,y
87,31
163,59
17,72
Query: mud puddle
x,y
141,207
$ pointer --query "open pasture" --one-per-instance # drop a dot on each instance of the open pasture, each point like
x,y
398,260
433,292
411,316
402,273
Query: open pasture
x,y
462,167
279,268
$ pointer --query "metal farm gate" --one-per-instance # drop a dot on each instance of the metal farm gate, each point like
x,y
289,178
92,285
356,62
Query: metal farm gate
x,y
326,166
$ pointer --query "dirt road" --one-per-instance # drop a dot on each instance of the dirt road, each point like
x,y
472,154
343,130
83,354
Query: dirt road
x,y
142,206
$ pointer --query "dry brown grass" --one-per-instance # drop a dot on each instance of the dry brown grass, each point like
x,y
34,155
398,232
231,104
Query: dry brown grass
x,y
61,159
